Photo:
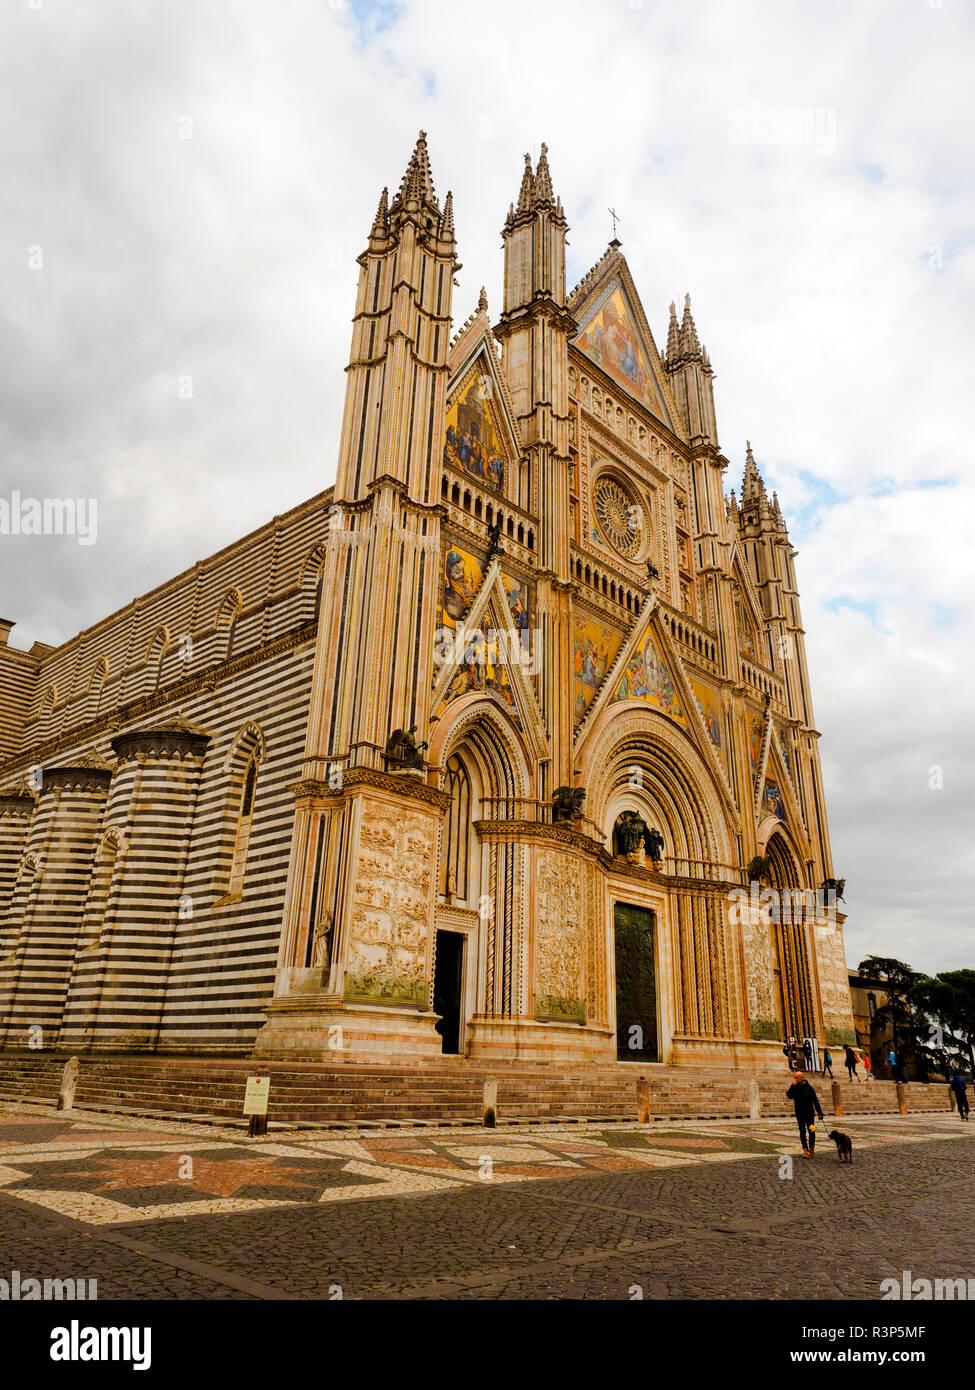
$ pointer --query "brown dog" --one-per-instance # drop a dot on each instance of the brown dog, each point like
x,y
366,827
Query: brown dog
x,y
844,1145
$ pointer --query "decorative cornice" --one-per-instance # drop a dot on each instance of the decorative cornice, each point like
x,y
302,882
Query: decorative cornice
x,y
314,792
17,804
159,743
194,685
76,778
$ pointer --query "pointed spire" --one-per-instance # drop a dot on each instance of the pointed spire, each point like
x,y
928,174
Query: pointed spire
x,y
447,221
688,331
752,487
417,182
381,224
673,336
543,180
527,186
482,301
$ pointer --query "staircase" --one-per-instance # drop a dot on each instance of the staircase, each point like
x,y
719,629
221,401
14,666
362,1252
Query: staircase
x,y
309,1093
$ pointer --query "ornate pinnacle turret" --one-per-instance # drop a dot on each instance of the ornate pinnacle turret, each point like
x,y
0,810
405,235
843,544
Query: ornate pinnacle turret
x,y
527,186
417,184
482,301
673,335
732,506
690,346
381,225
542,191
447,221
752,487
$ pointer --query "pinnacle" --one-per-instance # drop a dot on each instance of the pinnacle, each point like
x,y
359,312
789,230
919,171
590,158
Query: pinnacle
x,y
380,225
543,180
752,487
417,182
527,186
482,302
673,335
447,221
688,331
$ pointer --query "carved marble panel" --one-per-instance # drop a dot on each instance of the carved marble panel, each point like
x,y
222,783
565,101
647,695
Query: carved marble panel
x,y
392,903
558,926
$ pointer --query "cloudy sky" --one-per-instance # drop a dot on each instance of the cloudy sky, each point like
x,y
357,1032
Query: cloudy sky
x,y
184,186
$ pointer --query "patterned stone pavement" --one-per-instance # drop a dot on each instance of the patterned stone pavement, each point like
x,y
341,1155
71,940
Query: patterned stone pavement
x,y
705,1209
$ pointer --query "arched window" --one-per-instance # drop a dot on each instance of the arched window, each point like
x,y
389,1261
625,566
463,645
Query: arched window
x,y
226,623
21,906
158,648
245,819
100,893
455,865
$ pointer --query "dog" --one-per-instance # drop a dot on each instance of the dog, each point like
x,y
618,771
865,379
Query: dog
x,y
844,1145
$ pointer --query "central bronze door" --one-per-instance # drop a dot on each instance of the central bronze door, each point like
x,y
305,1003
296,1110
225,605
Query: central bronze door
x,y
636,984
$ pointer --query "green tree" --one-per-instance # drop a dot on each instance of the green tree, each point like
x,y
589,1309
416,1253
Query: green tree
x,y
948,999
899,1013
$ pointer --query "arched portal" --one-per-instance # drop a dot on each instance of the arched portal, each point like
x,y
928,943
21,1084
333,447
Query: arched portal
x,y
477,958
792,956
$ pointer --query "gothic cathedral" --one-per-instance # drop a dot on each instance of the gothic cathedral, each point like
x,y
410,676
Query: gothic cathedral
x,y
502,747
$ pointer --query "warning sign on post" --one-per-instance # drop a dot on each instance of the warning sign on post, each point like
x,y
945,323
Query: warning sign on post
x,y
255,1095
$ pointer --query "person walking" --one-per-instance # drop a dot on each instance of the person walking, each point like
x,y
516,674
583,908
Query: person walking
x,y
892,1063
850,1058
806,1104
827,1062
957,1084
901,1072
867,1069
807,1054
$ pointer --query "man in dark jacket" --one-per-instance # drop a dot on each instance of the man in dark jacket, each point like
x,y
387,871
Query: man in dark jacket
x,y
806,1104
957,1084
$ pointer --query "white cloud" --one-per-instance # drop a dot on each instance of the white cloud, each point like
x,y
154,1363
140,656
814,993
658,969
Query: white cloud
x,y
841,347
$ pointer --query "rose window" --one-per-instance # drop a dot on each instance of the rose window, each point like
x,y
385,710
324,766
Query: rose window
x,y
621,517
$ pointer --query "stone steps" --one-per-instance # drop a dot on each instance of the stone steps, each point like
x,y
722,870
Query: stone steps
x,y
342,1094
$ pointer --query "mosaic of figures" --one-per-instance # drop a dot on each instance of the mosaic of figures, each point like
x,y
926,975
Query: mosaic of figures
x,y
710,711
647,677
611,340
481,667
594,649
772,804
462,579
473,441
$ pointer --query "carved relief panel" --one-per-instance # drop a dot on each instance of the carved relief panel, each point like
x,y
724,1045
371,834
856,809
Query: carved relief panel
x,y
392,907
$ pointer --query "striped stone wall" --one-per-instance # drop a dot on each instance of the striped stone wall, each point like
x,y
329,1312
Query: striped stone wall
x,y
120,925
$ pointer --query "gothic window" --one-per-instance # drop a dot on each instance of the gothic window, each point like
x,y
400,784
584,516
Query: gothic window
x,y
22,899
245,817
100,892
455,861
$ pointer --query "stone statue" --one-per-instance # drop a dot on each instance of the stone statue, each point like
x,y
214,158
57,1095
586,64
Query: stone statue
x,y
402,749
631,831
835,885
653,843
567,804
494,539
322,942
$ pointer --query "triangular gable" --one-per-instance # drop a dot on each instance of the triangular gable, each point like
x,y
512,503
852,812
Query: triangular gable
x,y
615,335
480,433
649,668
595,647
485,654
778,797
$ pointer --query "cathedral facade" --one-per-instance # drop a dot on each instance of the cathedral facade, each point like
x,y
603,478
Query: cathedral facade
x,y
502,748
